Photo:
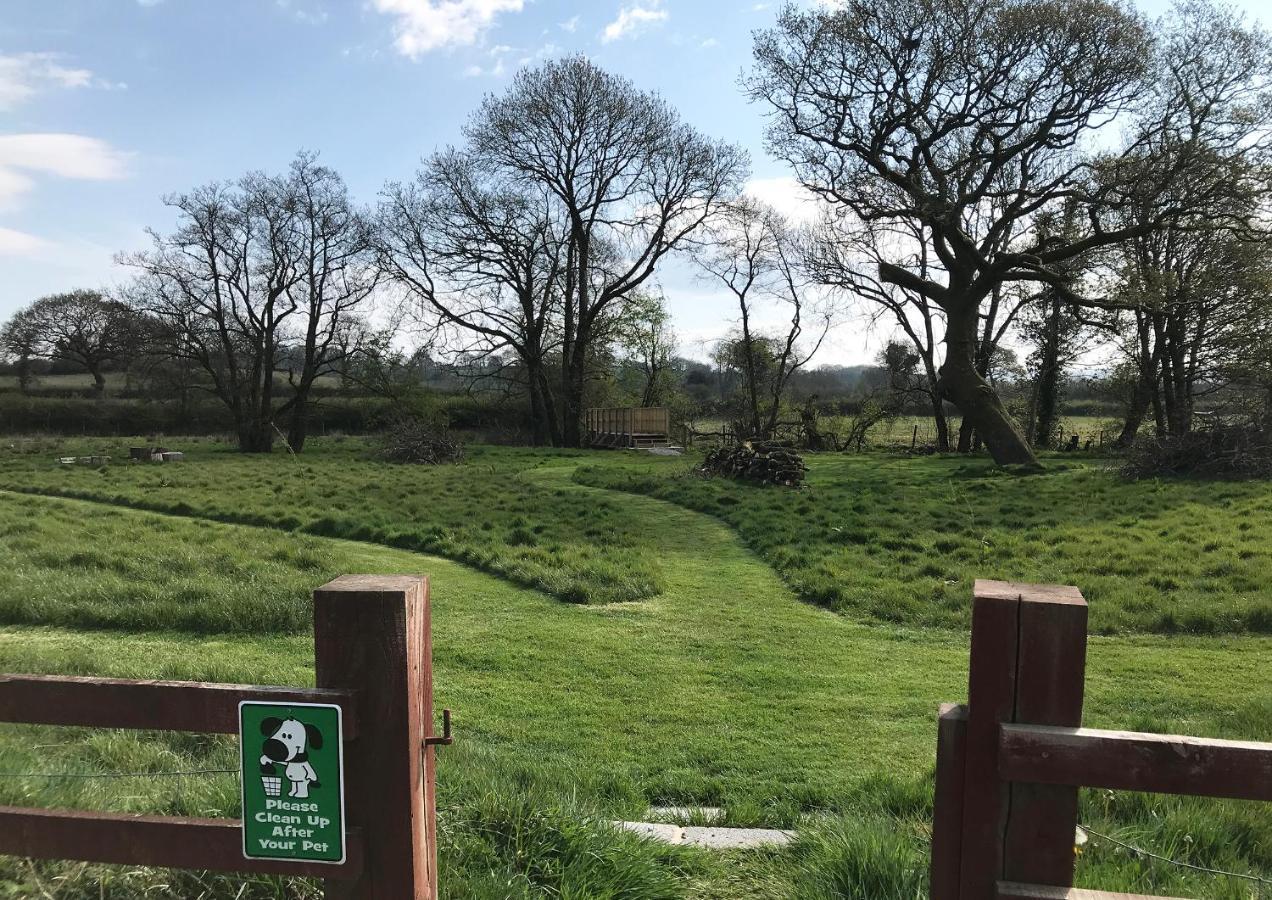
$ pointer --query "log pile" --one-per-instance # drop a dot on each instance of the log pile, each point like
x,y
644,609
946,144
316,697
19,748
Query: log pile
x,y
767,462
1219,452
411,440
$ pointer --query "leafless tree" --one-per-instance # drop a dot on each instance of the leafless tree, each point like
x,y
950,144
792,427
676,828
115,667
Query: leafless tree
x,y
259,287
757,254
81,327
633,183
846,256
969,119
484,258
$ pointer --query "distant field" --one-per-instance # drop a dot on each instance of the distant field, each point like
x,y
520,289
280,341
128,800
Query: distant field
x,y
901,431
82,381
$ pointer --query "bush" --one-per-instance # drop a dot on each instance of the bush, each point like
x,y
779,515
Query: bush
x,y
1222,452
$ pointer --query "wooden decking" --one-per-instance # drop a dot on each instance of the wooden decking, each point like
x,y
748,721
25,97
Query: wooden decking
x,y
629,427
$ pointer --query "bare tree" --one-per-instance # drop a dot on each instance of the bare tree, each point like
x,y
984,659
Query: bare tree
x,y
260,282
971,118
482,257
847,258
632,181
80,327
756,253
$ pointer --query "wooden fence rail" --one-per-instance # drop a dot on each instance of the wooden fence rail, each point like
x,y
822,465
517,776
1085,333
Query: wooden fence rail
x,y
1010,762
373,659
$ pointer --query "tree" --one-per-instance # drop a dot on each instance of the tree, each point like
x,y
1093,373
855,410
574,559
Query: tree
x,y
483,256
848,258
647,338
967,120
18,341
259,287
80,327
755,253
631,180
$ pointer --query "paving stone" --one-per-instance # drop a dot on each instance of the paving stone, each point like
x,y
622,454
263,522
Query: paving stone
x,y
658,831
737,838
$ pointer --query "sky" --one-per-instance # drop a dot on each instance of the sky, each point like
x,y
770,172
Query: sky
x,y
108,105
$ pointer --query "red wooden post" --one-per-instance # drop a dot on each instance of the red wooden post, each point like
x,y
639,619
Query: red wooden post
x,y
1027,661
1050,673
947,820
371,635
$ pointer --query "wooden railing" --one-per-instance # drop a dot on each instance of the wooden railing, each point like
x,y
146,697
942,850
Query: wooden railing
x,y
1010,762
625,421
372,658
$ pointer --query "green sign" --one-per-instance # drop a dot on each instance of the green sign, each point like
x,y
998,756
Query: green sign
x,y
293,781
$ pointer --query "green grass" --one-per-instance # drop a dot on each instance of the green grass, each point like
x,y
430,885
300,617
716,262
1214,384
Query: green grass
x,y
722,689
486,512
900,540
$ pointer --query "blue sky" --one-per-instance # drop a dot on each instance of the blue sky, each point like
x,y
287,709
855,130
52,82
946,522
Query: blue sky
x,y
106,105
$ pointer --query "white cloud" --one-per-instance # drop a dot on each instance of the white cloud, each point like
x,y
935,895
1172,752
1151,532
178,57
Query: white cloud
x,y
571,24
785,194
19,243
632,19
304,13
709,42
424,25
62,155
23,75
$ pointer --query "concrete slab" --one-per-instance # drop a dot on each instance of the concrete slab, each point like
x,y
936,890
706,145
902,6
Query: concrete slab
x,y
656,831
711,838
737,838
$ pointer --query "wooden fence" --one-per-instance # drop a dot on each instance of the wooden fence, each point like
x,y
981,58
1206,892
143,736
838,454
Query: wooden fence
x,y
372,658
1010,762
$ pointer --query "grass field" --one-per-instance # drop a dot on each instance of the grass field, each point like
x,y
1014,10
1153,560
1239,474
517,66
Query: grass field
x,y
899,539
715,685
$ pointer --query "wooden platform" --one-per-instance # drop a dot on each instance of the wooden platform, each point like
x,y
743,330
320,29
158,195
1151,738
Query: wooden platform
x,y
628,427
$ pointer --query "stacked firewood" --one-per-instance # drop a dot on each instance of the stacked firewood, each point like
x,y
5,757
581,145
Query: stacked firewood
x,y
412,440
768,462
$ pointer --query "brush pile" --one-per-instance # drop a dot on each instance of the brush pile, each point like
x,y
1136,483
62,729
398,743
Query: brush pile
x,y
412,440
1221,452
768,462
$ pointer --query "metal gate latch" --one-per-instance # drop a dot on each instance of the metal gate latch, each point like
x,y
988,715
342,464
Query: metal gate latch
x,y
445,739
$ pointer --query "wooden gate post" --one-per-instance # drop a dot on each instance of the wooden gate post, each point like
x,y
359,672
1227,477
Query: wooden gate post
x,y
947,803
1028,663
371,634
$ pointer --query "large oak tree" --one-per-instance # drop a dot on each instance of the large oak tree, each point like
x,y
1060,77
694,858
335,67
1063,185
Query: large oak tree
x,y
972,120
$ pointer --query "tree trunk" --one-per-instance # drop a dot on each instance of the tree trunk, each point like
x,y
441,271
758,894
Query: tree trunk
x,y
982,410
298,427
99,383
1145,385
942,424
572,395
256,437
25,376
538,415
